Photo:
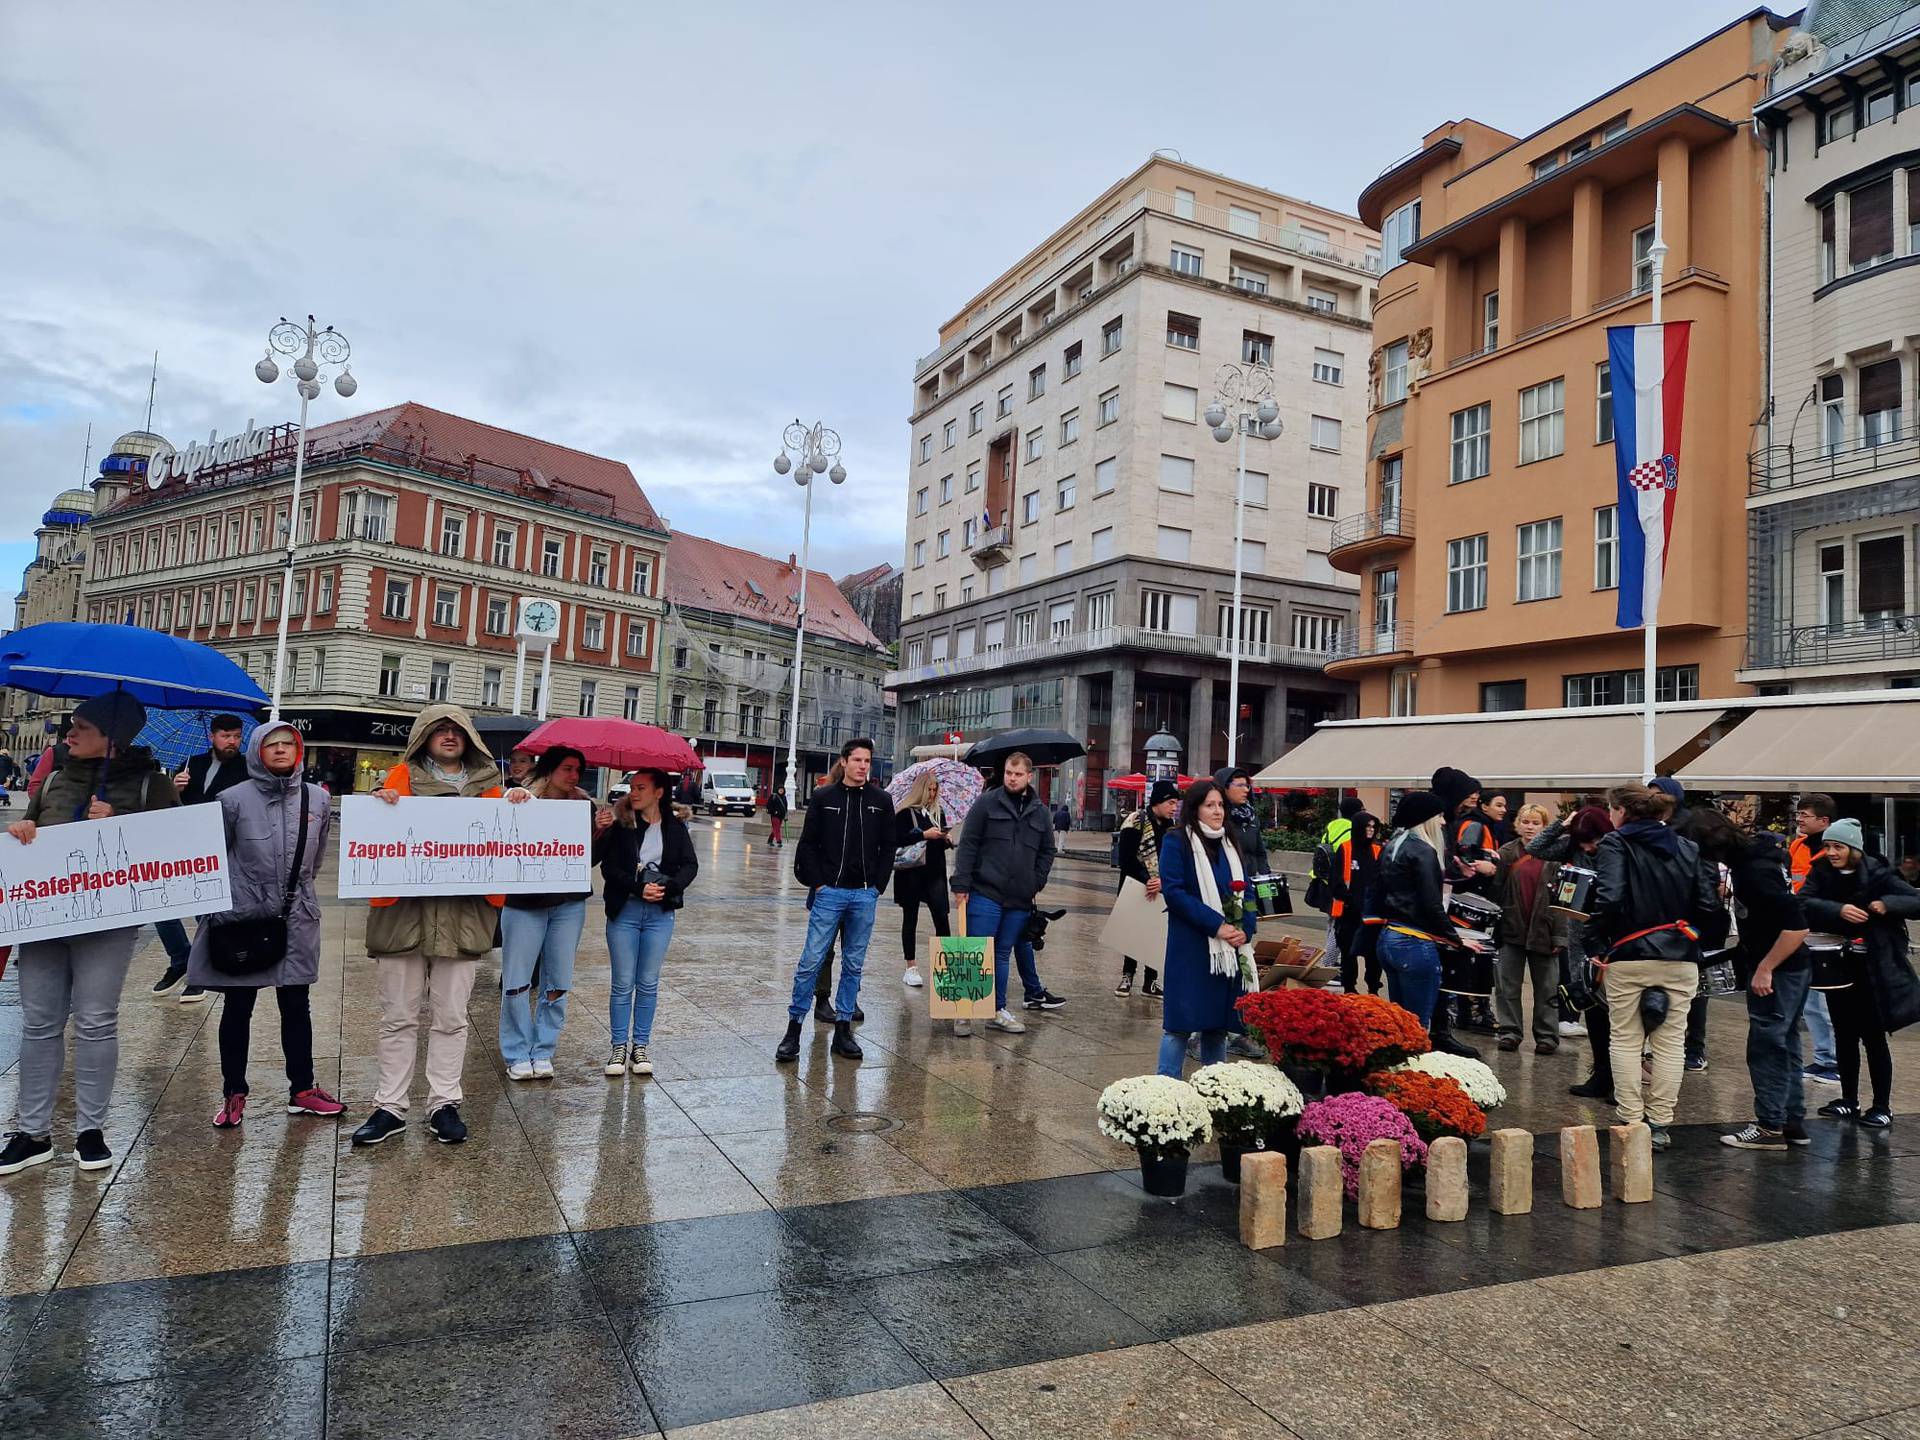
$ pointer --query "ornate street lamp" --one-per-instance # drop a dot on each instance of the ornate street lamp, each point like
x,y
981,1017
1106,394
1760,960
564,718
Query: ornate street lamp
x,y
1243,405
804,453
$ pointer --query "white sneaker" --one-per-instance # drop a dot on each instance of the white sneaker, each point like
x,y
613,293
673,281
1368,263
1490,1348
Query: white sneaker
x,y
912,978
1005,1020
520,1070
543,1069
617,1061
638,1061
1572,1027
962,1028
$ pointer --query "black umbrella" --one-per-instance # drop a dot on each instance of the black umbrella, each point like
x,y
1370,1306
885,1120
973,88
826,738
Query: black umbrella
x,y
1043,747
503,732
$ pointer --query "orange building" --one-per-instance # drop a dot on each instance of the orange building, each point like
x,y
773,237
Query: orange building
x,y
1488,547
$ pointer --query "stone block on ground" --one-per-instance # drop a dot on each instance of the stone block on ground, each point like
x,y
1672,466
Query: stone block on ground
x,y
1630,1158
1580,1167
1321,1193
1380,1185
1263,1200
1510,1178
1447,1179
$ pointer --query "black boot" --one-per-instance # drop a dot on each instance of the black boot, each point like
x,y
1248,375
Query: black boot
x,y
789,1046
823,1010
844,1045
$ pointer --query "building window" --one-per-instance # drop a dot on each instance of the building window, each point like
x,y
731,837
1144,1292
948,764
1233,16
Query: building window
x,y
490,686
1606,547
1187,261
1882,600
1063,557
1036,443
1106,475
1403,691
1829,250
1386,605
319,670
597,567
1326,433
1490,320
399,600
969,532
1254,282
1603,403
439,678
226,604
1063,493
257,530
1060,620
305,538
1003,402
453,534
677,704
1880,106
1472,443
1257,349
1036,382
993,637
950,435
273,600
1026,629
1242,221
1176,474
1027,568
1169,614
1627,687
643,574
1070,361
919,553
498,615
636,638
590,695
1833,416
1389,492
1833,587
446,606
323,597
193,545
389,676
1173,543
1253,488
1329,366
1069,427
297,601
1100,612
1870,225
1537,560
1880,403
1398,231
926,448
503,538
946,489
1323,501
1030,507
369,516
916,605
1253,556
1643,260
1109,407
248,596
1103,544
1183,204
973,478
1256,628
920,501
630,703
1467,574
1315,632
593,632
1183,331
550,557
1543,430
1393,374
966,589
1497,696
976,417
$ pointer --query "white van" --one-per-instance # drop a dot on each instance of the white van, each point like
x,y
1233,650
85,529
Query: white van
x,y
726,792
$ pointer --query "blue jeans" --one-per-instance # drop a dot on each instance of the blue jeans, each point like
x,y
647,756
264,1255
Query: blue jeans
x,y
1413,973
637,947
986,918
1820,1031
1773,1049
1173,1050
173,938
850,912
548,938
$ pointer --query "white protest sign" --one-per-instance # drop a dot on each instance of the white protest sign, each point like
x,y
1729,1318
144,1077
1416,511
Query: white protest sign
x,y
455,846
109,874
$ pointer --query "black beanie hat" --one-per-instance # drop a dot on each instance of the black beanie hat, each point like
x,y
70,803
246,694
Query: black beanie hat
x,y
117,715
1162,790
1416,808
1351,805
1453,786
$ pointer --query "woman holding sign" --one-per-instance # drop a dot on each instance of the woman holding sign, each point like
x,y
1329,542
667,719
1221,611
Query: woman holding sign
x,y
1200,865
104,774
276,841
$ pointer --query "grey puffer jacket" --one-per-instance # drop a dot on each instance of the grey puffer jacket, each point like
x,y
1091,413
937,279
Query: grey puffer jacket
x,y
262,818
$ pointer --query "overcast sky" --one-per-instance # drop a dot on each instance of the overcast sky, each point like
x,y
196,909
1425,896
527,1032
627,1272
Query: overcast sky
x,y
645,232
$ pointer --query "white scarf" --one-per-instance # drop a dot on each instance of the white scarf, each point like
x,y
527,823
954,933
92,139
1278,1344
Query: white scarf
x,y
1222,958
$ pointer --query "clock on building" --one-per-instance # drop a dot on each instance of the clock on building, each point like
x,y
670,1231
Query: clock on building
x,y
539,621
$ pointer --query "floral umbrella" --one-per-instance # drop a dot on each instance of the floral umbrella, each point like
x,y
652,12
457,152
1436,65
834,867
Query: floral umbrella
x,y
960,785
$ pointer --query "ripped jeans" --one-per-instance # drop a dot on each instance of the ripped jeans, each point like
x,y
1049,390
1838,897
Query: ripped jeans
x,y
530,1029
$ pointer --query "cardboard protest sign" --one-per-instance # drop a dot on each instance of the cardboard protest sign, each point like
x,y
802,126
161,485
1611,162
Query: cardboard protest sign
x,y
1137,925
960,977
109,874
457,846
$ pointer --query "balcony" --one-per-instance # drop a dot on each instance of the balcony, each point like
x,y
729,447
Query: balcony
x,y
1863,643
1788,467
994,547
1116,637
1358,538
1370,645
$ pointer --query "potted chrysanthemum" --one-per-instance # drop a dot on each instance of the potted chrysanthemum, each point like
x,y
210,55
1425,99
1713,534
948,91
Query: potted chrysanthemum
x,y
1476,1077
1163,1119
1251,1106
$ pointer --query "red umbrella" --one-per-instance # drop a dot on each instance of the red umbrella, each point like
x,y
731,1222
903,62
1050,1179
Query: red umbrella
x,y
617,744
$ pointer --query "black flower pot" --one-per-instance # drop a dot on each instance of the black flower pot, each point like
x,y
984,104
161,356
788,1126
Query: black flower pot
x,y
1230,1153
1165,1175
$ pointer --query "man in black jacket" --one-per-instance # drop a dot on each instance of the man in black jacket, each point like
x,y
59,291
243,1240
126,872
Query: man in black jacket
x,y
199,783
845,855
1772,930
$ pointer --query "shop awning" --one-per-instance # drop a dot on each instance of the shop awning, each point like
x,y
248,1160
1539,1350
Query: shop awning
x,y
1556,750
1818,745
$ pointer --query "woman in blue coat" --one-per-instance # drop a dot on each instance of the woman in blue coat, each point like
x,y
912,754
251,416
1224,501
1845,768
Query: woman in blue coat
x,y
1202,969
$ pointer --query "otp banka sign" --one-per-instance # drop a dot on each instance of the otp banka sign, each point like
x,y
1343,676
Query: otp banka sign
x,y
171,464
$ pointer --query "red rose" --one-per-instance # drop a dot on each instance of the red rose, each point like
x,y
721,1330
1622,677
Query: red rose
x,y
1237,886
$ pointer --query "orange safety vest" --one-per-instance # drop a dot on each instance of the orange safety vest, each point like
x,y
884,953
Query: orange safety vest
x,y
400,778
1346,872
1799,861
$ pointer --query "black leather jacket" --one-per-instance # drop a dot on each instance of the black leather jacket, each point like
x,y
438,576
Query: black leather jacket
x,y
1646,877
1406,889
846,841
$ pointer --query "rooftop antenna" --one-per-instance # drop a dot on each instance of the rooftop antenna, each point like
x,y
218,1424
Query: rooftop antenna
x,y
86,459
152,381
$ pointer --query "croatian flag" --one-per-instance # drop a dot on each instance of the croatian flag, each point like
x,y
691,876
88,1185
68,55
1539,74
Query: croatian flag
x,y
1649,376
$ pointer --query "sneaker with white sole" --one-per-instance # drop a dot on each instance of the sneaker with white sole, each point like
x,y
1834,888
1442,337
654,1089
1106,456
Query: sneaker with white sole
x,y
520,1070
617,1060
23,1150
963,1029
1571,1028
171,980
638,1062
193,994
543,1069
1004,1020
912,978
90,1150
1756,1137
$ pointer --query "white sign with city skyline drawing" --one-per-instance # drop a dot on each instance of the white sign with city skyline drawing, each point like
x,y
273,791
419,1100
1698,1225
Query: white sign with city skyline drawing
x,y
109,874
453,846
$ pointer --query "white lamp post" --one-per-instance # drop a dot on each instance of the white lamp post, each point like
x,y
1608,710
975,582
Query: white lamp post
x,y
804,453
1243,404
315,349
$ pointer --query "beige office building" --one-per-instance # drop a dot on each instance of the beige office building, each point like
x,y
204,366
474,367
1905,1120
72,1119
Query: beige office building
x,y
1070,516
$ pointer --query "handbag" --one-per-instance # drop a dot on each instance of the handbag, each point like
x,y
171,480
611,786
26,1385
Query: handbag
x,y
248,946
911,857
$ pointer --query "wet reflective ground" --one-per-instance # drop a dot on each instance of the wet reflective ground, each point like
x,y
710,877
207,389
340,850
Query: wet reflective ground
x,y
936,1241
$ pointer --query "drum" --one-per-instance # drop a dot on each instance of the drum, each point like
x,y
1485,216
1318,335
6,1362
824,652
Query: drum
x,y
1573,891
1466,972
1832,969
1718,978
1474,914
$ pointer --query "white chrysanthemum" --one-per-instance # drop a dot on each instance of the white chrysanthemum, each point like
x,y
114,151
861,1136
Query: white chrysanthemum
x,y
1476,1077
1242,1085
1155,1112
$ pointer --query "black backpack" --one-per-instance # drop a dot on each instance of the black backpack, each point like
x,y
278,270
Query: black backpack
x,y
1320,878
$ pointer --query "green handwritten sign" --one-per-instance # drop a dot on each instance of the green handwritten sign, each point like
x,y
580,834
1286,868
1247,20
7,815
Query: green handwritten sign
x,y
961,978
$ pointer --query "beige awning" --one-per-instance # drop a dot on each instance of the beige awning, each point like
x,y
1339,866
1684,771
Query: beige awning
x,y
1873,747
1521,751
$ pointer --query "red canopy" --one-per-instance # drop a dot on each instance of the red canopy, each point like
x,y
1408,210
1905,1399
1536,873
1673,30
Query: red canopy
x,y
617,744
1137,782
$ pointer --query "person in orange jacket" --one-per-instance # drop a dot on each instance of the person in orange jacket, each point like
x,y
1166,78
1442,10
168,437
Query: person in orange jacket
x,y
1812,816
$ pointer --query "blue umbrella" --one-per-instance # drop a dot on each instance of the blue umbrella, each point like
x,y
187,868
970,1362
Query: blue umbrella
x,y
176,736
77,661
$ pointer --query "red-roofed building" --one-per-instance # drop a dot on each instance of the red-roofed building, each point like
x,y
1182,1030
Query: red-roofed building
x,y
728,656
419,534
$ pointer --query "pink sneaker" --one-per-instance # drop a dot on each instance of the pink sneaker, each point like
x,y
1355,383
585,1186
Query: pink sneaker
x,y
315,1101
232,1111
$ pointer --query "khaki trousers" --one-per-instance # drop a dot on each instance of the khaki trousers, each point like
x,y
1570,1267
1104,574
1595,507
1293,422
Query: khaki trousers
x,y
1626,980
445,984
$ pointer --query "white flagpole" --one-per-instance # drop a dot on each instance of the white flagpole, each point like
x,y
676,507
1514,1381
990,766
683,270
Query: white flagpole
x,y
1650,621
